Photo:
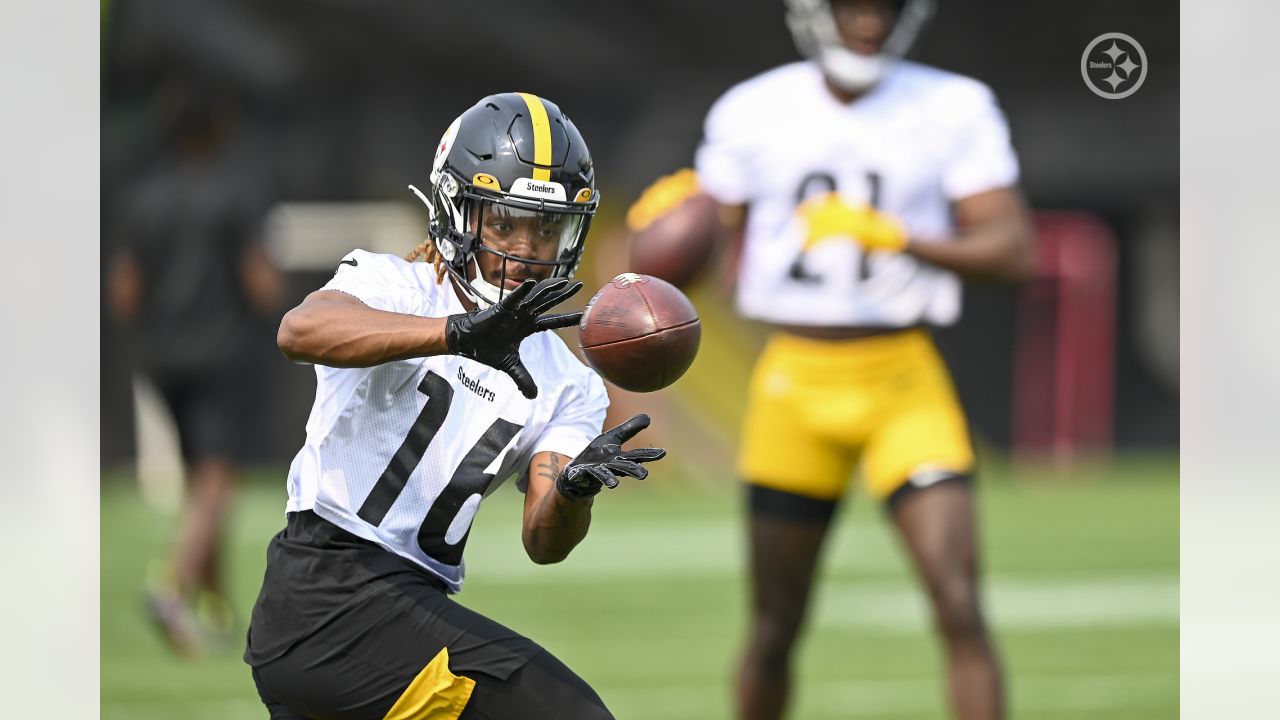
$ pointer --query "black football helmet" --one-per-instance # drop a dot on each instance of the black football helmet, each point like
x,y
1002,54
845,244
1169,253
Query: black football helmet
x,y
518,155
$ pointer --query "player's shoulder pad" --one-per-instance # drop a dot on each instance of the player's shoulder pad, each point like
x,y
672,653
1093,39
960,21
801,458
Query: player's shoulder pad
x,y
946,95
387,282
373,267
371,260
760,91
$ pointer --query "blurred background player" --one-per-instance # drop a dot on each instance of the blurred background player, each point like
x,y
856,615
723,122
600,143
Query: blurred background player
x,y
189,281
864,185
436,381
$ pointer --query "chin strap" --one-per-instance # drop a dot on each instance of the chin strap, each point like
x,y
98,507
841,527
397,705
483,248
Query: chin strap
x,y
473,293
448,243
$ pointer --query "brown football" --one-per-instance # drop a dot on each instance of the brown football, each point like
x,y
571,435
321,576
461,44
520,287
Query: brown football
x,y
641,333
678,245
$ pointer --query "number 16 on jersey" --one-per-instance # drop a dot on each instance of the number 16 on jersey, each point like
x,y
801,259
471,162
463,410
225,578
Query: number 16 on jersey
x,y
437,536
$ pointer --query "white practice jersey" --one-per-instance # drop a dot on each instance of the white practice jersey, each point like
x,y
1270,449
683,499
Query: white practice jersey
x,y
919,140
401,454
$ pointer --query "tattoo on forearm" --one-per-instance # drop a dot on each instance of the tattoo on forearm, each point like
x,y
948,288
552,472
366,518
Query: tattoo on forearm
x,y
551,469
564,516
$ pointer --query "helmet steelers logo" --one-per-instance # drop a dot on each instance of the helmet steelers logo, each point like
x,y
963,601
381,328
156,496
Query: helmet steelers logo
x,y
446,142
1114,66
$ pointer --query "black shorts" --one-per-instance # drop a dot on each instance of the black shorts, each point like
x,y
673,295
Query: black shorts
x,y
344,629
209,411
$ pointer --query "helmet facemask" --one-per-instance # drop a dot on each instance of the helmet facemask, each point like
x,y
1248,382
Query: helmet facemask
x,y
817,37
473,223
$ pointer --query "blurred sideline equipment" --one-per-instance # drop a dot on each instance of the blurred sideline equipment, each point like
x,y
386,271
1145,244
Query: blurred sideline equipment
x,y
311,237
673,228
1064,369
641,333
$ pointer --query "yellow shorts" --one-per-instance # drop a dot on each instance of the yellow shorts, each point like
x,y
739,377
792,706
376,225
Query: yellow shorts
x,y
818,407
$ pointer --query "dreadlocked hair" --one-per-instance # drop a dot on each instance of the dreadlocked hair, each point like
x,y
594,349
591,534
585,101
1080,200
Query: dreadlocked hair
x,y
428,252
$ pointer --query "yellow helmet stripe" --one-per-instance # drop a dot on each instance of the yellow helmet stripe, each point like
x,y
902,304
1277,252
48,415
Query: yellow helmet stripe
x,y
541,136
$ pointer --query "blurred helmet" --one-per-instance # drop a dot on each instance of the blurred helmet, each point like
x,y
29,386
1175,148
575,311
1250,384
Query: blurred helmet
x,y
813,27
519,156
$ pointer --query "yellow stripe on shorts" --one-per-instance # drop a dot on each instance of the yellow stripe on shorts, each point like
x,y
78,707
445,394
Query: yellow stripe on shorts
x,y
435,694
541,136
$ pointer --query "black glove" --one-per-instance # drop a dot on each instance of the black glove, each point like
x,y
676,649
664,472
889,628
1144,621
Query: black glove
x,y
492,335
600,464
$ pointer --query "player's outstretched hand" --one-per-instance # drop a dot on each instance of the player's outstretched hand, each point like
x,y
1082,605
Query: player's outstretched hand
x,y
604,460
493,335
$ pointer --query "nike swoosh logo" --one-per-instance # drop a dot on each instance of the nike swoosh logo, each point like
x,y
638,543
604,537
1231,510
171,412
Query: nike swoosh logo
x,y
350,261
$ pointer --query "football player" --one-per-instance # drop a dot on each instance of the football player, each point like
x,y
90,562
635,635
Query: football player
x,y
435,383
189,280
866,186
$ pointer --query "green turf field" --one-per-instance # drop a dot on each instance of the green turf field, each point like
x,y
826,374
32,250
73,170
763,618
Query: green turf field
x,y
1081,581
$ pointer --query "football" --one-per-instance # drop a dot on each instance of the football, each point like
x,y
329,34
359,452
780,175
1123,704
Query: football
x,y
678,245
639,332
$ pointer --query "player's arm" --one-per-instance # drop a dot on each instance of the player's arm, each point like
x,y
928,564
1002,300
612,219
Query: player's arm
x,y
557,503
339,330
553,523
733,220
124,287
336,329
261,280
996,239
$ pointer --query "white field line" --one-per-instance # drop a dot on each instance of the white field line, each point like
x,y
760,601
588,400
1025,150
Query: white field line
x,y
163,709
714,550
1027,695
887,698
1012,603
662,549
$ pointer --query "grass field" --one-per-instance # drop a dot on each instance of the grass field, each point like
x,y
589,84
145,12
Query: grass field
x,y
1081,581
